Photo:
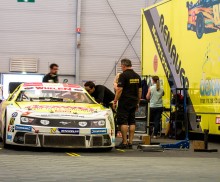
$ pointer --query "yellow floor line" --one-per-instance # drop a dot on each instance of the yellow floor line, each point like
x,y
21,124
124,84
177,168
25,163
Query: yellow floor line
x,y
73,154
120,150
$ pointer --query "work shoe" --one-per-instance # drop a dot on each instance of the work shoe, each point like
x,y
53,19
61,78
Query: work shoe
x,y
121,146
130,146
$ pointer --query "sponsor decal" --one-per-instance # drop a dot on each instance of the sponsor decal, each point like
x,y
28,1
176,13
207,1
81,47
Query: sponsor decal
x,y
9,137
33,84
54,88
11,128
65,109
12,121
68,131
64,122
23,128
98,131
53,130
14,114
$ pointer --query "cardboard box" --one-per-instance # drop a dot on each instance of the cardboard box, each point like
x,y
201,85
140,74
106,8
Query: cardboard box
x,y
196,144
146,139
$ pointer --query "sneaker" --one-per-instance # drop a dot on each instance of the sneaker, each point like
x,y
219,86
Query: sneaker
x,y
130,146
121,146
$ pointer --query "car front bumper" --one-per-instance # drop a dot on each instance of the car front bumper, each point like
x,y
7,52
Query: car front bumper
x,y
63,140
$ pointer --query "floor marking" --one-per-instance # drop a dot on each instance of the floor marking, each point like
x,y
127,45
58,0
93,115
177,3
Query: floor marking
x,y
120,150
73,154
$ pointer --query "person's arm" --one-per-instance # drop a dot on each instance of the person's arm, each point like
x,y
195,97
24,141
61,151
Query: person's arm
x,y
121,83
139,94
148,94
118,94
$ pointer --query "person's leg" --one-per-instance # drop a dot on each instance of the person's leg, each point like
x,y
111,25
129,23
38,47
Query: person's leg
x,y
157,118
131,122
122,118
152,121
124,131
131,133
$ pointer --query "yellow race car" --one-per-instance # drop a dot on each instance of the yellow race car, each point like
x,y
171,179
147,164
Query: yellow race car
x,y
55,115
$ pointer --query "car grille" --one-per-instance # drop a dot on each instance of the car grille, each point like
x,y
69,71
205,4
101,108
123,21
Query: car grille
x,y
63,141
30,139
61,123
97,141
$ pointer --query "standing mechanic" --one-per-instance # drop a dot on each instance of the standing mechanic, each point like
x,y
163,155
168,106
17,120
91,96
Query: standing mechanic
x,y
52,76
155,94
128,96
101,93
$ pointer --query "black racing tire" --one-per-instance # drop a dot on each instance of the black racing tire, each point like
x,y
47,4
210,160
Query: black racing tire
x,y
106,149
200,25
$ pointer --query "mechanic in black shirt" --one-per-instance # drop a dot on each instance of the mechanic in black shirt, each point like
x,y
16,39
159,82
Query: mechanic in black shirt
x,y
101,93
52,76
128,96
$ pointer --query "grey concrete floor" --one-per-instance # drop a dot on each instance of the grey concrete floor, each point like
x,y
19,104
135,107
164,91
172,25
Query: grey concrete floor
x,y
29,164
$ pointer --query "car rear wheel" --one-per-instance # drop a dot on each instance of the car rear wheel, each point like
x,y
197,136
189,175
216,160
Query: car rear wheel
x,y
200,25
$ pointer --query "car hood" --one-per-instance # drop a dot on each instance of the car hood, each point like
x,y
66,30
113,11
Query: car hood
x,y
62,109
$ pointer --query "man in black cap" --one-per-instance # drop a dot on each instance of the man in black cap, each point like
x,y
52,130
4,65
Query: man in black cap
x,y
128,95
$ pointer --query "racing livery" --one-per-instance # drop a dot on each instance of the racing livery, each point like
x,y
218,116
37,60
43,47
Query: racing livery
x,y
55,115
203,16
174,54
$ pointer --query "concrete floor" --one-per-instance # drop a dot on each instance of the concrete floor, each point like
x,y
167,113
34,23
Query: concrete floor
x,y
29,164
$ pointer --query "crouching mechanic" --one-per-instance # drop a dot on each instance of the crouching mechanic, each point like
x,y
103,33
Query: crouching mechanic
x,y
128,96
101,94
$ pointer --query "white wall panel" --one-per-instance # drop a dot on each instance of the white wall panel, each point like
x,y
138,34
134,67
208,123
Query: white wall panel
x,y
44,29
103,40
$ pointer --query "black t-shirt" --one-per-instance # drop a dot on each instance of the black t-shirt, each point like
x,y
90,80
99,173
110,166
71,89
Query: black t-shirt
x,y
50,78
130,82
103,95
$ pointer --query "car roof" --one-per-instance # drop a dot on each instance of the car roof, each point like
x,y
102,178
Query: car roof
x,y
52,86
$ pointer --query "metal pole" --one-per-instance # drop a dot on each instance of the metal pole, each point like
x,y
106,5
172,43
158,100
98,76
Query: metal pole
x,y
185,108
77,48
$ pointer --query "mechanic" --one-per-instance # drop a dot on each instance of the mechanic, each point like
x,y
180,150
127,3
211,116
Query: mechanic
x,y
115,83
128,95
100,93
52,76
155,94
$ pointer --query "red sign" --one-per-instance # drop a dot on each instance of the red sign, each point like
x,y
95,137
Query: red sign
x,y
217,121
155,63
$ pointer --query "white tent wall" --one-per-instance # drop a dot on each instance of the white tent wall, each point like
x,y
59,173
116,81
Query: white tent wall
x,y
107,26
44,30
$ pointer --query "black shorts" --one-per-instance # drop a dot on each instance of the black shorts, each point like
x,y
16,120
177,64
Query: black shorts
x,y
126,113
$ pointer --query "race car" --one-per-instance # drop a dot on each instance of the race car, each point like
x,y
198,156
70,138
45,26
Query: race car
x,y
55,115
203,16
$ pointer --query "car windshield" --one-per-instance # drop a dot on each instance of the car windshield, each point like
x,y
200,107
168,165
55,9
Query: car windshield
x,y
54,96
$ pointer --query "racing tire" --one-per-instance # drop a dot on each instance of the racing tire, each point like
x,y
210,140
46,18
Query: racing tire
x,y
200,25
106,149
